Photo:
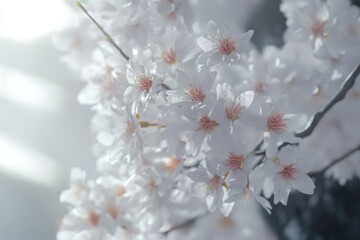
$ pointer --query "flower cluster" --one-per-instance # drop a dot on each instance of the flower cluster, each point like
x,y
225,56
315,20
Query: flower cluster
x,y
190,119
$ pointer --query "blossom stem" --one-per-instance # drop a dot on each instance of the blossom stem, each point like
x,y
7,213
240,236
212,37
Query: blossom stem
x,y
336,161
107,36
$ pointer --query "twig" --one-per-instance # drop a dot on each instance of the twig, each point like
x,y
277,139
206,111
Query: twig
x,y
107,36
346,86
336,161
185,224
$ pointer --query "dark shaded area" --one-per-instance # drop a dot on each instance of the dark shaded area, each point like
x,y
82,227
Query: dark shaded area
x,y
356,2
331,213
269,25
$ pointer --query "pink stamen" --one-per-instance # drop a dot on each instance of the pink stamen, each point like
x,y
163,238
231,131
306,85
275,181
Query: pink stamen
x,y
206,124
226,46
288,172
318,28
144,83
233,111
169,57
93,218
213,184
235,162
276,123
195,94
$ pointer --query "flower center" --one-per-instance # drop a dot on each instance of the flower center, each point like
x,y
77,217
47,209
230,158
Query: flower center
x,y
233,111
288,172
129,130
213,184
120,191
144,83
206,124
226,46
169,57
93,218
112,211
259,87
195,94
318,28
235,162
276,123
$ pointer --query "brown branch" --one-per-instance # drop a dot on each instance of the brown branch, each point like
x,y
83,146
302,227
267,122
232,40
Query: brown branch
x,y
346,86
336,161
107,36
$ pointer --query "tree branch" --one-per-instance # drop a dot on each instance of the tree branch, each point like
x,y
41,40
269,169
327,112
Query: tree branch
x,y
336,161
107,36
346,86
185,224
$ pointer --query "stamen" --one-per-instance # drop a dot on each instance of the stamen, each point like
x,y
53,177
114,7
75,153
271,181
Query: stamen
x,y
276,123
169,57
318,28
288,172
206,124
143,83
233,111
213,184
93,218
120,191
112,211
195,94
235,162
226,46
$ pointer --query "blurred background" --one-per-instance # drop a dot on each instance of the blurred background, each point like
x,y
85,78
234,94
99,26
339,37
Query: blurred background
x,y
44,132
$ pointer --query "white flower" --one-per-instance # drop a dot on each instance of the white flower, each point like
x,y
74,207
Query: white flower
x,y
142,83
287,171
194,86
278,125
211,185
224,44
233,107
78,188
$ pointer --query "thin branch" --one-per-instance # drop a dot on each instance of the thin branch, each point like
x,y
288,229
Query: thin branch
x,y
107,36
336,161
185,224
346,86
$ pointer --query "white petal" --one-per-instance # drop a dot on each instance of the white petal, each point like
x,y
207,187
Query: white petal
x,y
281,190
200,175
165,8
211,201
89,95
271,149
289,137
131,95
295,122
205,44
246,98
304,184
213,30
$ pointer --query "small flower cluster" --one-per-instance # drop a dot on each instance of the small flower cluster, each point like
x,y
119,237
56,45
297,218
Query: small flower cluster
x,y
192,122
